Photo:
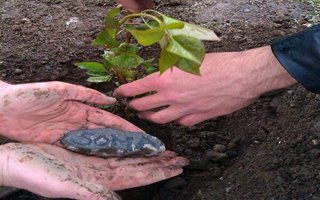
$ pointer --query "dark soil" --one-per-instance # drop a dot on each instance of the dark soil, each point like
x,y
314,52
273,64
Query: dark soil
x,y
270,150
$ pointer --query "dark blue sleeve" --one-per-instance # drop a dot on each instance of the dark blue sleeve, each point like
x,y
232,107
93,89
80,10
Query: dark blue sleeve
x,y
299,54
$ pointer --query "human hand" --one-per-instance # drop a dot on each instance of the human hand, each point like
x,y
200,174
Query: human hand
x,y
136,5
42,112
54,172
228,82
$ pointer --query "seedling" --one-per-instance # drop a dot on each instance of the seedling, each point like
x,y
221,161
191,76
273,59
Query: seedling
x,y
180,44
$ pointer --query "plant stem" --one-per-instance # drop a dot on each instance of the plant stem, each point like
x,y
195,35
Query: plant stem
x,y
129,36
119,75
140,15
154,11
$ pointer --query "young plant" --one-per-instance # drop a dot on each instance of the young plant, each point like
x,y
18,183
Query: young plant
x,y
180,43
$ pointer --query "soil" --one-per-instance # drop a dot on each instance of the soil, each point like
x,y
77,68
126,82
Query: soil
x,y
269,150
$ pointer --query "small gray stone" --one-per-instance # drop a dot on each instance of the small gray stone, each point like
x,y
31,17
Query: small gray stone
x,y
235,140
219,148
112,143
228,189
194,143
18,71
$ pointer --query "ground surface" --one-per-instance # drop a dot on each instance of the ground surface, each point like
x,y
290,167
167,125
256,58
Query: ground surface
x,y
269,150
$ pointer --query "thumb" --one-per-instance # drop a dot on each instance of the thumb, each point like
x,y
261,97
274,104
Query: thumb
x,y
91,191
83,94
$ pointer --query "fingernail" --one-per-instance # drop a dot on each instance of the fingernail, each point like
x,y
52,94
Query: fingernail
x,y
109,99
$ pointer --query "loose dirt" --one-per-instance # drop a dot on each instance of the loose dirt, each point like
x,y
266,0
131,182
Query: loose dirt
x,y
269,150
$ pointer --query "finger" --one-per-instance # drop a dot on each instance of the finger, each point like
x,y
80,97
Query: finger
x,y
117,162
160,163
137,87
108,120
101,164
148,102
193,119
84,191
145,177
83,94
104,175
164,116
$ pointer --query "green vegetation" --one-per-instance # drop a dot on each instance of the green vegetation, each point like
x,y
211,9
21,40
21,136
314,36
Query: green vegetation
x,y
180,43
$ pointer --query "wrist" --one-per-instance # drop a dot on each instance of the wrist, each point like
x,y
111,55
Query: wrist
x,y
8,167
268,74
2,83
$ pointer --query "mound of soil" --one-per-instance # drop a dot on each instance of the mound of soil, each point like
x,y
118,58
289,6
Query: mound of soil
x,y
269,150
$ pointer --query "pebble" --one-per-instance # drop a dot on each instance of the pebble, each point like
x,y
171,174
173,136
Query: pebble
x,y
73,23
219,148
48,66
194,143
216,156
231,145
315,142
228,189
18,71
235,140
112,143
25,20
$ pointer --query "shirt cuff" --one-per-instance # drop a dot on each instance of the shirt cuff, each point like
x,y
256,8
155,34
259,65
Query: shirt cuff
x,y
299,54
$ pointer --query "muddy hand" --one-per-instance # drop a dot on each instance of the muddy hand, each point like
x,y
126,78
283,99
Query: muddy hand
x,y
136,5
42,112
54,172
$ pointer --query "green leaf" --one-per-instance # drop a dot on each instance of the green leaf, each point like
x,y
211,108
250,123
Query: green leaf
x,y
186,47
100,79
149,66
95,73
114,11
92,67
110,20
127,61
167,60
198,32
149,36
188,66
106,37
126,48
152,69
171,23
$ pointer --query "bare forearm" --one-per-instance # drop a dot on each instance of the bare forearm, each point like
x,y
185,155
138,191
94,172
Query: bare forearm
x,y
266,72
